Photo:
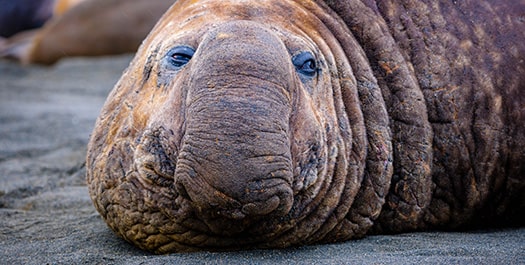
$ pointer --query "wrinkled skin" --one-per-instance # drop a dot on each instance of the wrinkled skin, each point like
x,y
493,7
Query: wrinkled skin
x,y
245,124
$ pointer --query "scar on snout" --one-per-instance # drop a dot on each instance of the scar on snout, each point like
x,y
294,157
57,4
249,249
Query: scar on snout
x,y
222,35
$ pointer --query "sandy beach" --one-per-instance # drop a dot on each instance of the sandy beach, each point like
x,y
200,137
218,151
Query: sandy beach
x,y
46,215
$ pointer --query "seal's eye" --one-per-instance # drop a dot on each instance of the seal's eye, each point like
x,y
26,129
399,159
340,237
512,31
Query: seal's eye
x,y
180,55
304,63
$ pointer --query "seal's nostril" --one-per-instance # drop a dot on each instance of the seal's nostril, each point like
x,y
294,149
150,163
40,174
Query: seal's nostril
x,y
261,208
181,190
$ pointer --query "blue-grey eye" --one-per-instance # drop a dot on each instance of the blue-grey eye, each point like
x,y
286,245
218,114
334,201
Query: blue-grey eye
x,y
305,64
180,56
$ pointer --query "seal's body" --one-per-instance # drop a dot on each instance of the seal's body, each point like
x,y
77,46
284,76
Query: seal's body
x,y
273,123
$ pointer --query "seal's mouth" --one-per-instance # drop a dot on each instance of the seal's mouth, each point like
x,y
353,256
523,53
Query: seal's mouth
x,y
236,177
273,197
156,157
223,211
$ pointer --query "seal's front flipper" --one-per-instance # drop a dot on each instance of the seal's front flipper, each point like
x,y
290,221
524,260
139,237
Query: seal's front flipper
x,y
18,47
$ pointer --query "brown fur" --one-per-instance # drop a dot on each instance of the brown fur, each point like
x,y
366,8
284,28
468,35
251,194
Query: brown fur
x,y
413,120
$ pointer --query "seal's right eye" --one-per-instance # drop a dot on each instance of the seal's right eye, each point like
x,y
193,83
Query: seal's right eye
x,y
179,56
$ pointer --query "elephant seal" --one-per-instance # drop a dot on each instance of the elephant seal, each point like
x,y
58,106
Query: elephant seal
x,y
268,124
88,28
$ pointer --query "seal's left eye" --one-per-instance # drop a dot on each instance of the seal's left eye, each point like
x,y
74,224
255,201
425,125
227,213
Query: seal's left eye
x,y
304,63
180,55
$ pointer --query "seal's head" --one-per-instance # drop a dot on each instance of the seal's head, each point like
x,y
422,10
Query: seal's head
x,y
236,125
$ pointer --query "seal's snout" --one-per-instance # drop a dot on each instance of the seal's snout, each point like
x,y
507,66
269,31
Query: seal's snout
x,y
235,158
270,197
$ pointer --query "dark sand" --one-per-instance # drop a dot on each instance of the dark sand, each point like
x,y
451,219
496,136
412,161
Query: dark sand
x,y
46,216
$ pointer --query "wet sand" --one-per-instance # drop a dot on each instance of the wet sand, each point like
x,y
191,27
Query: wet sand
x,y
46,215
